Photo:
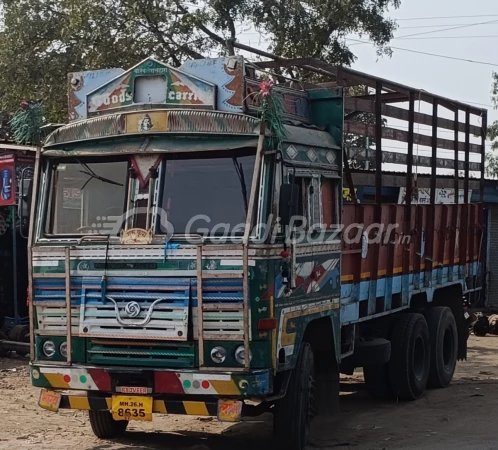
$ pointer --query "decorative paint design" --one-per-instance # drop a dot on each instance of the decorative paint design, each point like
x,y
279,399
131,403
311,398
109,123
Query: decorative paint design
x,y
290,317
82,83
142,165
311,278
151,82
178,121
227,73
165,382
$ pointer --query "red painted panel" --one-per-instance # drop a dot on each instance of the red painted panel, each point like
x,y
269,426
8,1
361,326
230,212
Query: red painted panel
x,y
101,378
167,383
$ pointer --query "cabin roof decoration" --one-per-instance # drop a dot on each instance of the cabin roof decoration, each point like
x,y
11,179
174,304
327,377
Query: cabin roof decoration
x,y
218,84
151,83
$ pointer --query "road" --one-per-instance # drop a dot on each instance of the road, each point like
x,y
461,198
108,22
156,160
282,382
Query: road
x,y
460,417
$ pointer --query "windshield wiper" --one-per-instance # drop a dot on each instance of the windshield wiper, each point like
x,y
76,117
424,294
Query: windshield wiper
x,y
93,175
240,174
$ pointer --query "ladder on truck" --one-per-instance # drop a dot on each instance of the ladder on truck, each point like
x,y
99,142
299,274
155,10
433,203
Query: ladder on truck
x,y
204,307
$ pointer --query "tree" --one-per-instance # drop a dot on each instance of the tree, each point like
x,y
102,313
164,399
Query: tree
x,y
42,41
492,157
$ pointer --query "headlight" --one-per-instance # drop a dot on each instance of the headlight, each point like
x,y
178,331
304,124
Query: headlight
x,y
240,355
48,349
63,349
218,355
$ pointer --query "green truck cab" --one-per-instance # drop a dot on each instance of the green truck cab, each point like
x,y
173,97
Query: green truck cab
x,y
186,260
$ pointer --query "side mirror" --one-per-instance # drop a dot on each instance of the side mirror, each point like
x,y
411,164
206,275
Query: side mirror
x,y
288,202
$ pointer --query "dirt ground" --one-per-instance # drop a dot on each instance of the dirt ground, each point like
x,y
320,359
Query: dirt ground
x,y
464,416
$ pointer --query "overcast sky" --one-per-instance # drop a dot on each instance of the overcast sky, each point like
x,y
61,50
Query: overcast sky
x,y
459,80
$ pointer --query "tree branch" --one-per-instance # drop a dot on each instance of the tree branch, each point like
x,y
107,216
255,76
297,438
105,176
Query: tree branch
x,y
201,26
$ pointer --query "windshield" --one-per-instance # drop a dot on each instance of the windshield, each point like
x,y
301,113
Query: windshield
x,y
84,196
207,194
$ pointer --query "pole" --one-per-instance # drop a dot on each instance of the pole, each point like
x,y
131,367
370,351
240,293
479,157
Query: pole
x,y
14,263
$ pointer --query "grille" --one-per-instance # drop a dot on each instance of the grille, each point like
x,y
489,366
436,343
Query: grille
x,y
162,304
219,317
159,308
133,353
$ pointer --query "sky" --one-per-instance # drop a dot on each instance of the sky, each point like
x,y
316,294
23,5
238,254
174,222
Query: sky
x,y
459,80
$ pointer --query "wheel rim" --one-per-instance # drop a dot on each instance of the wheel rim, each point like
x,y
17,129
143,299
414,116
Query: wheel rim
x,y
419,358
448,347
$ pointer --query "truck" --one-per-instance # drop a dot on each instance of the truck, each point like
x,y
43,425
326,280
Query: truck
x,y
191,251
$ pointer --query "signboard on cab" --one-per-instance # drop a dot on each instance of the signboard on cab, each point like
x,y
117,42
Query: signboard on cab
x,y
7,180
151,83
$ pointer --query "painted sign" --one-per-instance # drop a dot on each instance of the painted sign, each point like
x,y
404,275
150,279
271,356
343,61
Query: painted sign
x,y
152,82
346,194
296,103
7,180
227,73
152,121
422,196
82,83
136,236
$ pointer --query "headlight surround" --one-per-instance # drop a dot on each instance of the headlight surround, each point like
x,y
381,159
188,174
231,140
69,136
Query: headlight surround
x,y
48,349
63,349
218,354
240,355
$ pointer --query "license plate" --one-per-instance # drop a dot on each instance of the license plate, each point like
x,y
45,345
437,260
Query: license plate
x,y
131,408
229,410
49,400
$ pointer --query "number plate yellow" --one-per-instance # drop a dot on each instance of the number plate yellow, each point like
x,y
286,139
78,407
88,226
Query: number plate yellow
x,y
229,410
131,408
49,400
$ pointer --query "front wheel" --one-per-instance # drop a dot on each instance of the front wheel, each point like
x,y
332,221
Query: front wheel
x,y
104,426
293,413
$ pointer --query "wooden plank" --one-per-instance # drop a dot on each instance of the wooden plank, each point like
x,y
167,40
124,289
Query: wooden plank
x,y
368,101
361,155
367,104
363,129
366,178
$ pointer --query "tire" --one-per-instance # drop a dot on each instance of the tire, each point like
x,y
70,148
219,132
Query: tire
x,y
19,333
444,346
377,382
410,356
104,426
294,412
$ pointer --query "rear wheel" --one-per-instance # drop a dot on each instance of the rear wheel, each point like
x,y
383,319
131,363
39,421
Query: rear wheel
x,y
444,346
104,426
293,413
410,356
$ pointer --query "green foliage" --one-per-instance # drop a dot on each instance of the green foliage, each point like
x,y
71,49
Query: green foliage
x,y
44,40
492,157
27,122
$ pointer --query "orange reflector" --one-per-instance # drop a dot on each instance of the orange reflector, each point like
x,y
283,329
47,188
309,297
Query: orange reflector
x,y
267,324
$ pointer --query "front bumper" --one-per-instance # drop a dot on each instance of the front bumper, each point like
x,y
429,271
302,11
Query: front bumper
x,y
160,405
163,382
